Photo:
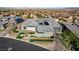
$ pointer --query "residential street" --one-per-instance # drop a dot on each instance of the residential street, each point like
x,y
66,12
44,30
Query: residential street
x,y
16,45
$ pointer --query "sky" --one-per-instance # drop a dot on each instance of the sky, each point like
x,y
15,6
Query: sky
x,y
39,3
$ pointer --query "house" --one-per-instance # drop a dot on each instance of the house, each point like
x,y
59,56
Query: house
x,y
2,25
19,19
4,18
42,28
3,22
12,20
74,28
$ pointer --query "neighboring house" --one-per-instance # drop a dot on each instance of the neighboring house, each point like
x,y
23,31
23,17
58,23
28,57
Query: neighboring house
x,y
12,20
4,19
2,25
19,19
74,28
3,22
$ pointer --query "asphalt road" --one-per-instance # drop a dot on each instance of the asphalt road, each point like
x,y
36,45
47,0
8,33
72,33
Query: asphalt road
x,y
8,44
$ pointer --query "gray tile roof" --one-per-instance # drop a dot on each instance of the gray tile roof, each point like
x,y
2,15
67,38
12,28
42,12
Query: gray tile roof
x,y
43,27
73,28
2,22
